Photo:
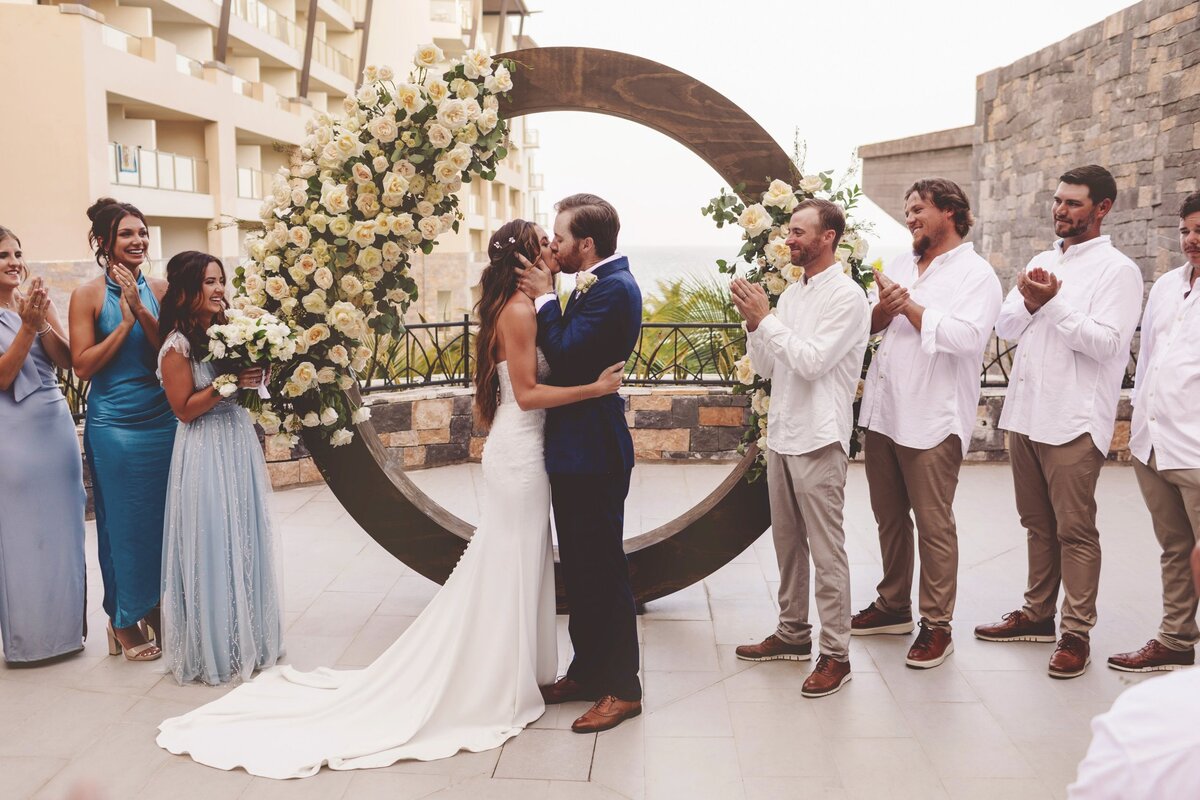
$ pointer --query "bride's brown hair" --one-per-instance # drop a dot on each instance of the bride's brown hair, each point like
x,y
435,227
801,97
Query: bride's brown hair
x,y
497,284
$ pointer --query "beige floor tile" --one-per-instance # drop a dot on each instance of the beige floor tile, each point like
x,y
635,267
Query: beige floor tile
x,y
408,596
309,652
325,785
767,682
378,785
547,755
686,604
963,740
865,709
703,713
495,789
376,635
459,767
619,760
781,739
679,646
793,787
59,723
570,790
23,776
996,789
663,688
698,769
184,779
337,614
892,768
121,760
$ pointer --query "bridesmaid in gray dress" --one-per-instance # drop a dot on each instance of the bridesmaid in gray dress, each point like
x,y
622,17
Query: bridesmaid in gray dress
x,y
221,594
41,476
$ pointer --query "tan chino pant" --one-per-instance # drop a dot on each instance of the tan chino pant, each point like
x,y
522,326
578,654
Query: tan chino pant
x,y
1056,498
1173,498
807,495
904,480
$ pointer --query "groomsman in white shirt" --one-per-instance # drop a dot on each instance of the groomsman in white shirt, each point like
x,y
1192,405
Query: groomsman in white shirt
x,y
811,349
1072,312
1165,442
936,309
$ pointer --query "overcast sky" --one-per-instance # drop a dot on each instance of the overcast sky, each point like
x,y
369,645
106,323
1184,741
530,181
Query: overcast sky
x,y
843,73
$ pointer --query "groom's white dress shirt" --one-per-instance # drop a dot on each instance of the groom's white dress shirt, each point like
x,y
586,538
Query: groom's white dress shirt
x,y
542,299
923,385
811,349
1167,384
1071,353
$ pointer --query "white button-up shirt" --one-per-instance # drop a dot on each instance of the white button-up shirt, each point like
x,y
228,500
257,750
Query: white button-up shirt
x,y
811,349
1147,747
1072,353
923,385
542,299
1167,384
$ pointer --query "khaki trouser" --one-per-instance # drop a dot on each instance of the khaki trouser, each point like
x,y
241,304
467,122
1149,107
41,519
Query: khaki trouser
x,y
1173,497
1056,498
903,480
807,498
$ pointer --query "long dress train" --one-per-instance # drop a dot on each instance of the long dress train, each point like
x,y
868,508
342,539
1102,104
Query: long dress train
x,y
465,674
220,570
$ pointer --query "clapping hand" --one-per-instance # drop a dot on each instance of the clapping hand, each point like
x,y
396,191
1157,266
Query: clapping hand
x,y
129,289
34,306
535,279
751,301
1038,287
892,296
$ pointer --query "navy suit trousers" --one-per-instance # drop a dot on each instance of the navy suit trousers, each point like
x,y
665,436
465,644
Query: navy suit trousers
x,y
589,516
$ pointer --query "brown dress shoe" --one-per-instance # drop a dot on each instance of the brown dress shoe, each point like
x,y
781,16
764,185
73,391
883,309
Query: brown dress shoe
x,y
608,712
1016,627
827,677
566,690
1154,657
773,648
873,619
930,649
1071,657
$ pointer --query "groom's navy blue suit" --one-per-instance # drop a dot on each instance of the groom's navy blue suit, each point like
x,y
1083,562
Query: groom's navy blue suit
x,y
589,455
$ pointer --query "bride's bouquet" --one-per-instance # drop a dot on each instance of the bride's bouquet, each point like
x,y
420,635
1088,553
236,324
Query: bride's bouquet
x,y
250,338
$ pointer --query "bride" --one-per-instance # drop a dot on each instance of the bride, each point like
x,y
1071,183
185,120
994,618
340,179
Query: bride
x,y
465,674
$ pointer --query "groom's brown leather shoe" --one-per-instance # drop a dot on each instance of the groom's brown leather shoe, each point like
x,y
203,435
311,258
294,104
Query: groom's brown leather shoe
x,y
566,690
608,712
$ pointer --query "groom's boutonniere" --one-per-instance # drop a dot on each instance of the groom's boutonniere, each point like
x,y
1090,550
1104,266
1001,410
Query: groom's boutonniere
x,y
585,281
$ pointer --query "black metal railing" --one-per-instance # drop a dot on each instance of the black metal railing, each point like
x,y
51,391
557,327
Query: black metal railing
x,y
683,353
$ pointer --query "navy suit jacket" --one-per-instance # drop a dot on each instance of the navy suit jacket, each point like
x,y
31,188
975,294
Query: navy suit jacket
x,y
598,328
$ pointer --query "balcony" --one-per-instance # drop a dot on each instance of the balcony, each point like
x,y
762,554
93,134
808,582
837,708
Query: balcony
x,y
189,66
333,58
252,183
120,40
151,169
269,21
457,12
536,182
531,138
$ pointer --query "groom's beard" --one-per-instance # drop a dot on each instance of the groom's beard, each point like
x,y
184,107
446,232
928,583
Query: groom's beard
x,y
569,261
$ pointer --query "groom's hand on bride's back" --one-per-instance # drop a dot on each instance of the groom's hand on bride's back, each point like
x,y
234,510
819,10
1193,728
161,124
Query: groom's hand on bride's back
x,y
535,279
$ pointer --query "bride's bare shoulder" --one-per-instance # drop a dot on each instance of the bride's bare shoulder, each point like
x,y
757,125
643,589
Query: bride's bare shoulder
x,y
518,311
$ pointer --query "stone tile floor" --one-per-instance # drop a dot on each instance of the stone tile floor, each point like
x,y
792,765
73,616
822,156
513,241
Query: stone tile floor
x,y
989,723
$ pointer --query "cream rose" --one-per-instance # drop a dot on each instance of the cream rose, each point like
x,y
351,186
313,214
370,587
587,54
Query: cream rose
x,y
439,135
329,415
307,263
314,301
437,89
487,121
384,129
812,183
428,55
345,318
341,437
334,198
363,233
323,278
339,355
445,172
408,97
775,284
316,334
755,219
326,375
476,63
351,285
304,375
429,227
743,371
401,224
780,195
453,114
369,257
340,226
277,287
299,236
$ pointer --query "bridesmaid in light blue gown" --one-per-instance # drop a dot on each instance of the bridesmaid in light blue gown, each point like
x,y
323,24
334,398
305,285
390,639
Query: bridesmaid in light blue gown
x,y
42,500
130,429
222,609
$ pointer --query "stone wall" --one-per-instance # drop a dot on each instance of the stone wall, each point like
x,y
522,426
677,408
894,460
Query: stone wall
x,y
1123,93
889,168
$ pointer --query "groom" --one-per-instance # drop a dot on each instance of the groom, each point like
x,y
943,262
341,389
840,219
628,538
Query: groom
x,y
589,455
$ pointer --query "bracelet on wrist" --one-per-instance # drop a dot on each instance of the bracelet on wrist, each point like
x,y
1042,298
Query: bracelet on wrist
x,y
44,330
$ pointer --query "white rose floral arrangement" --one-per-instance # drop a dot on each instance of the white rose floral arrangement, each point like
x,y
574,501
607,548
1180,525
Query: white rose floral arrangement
x,y
764,233
362,193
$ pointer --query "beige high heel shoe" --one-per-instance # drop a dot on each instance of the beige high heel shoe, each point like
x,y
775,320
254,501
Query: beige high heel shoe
x,y
147,651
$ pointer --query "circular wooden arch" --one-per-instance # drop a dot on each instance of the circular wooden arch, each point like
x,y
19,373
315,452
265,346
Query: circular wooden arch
x,y
430,539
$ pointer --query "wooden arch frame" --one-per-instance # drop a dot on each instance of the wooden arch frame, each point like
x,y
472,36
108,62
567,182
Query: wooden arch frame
x,y
427,537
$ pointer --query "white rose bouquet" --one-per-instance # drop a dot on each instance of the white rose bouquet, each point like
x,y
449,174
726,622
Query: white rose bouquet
x,y
764,227
249,338
364,192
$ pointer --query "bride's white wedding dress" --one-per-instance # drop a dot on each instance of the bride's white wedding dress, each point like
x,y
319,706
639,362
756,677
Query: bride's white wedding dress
x,y
465,674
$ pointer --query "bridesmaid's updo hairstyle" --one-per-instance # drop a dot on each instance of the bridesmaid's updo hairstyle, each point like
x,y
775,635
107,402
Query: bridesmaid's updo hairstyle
x,y
6,233
497,284
185,283
106,215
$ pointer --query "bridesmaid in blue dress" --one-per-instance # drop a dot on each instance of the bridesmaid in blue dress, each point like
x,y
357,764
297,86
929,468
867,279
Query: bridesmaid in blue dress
x,y
130,429
42,573
221,599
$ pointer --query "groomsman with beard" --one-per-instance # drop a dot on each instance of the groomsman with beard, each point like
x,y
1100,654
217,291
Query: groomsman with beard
x,y
936,309
811,349
1165,442
1072,312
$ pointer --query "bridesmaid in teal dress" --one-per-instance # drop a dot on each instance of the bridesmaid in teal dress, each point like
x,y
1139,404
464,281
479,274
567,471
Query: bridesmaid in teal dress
x,y
130,429
41,478
221,599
